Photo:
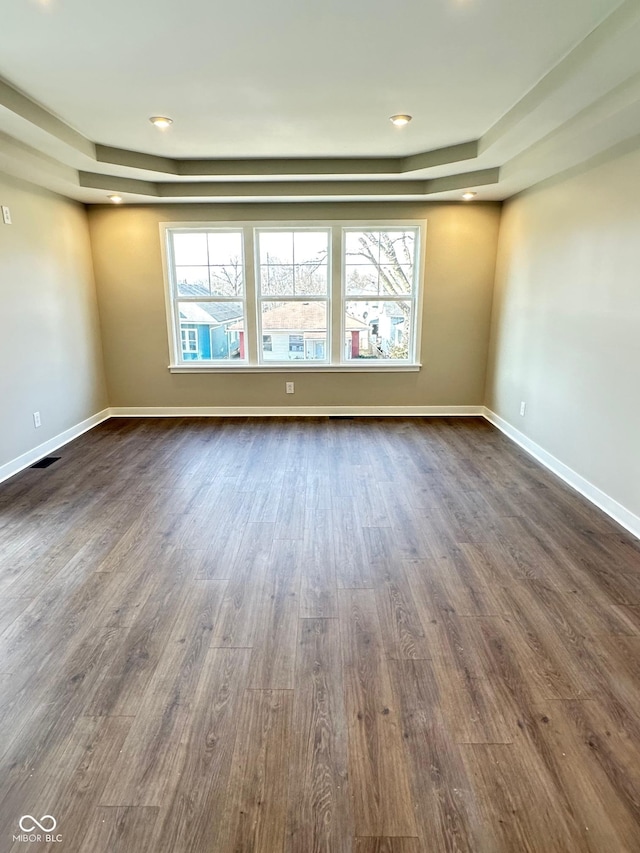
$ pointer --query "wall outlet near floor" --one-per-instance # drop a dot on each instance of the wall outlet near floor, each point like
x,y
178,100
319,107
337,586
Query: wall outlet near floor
x,y
289,387
36,420
6,215
523,408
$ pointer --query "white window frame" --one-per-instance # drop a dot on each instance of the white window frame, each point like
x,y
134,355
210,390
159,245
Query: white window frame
x,y
336,299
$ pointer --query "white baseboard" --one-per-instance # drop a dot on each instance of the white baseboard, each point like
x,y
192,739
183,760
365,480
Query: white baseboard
x,y
296,411
21,462
602,500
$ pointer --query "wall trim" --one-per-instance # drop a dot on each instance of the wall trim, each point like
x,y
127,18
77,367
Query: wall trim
x,y
14,466
295,411
596,496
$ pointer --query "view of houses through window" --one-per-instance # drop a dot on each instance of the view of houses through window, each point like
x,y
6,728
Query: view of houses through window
x,y
221,307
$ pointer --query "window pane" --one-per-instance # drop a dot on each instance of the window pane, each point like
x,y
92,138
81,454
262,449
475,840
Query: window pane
x,y
310,247
379,330
276,247
227,280
192,281
277,280
307,275
310,280
297,331
218,328
362,246
225,249
389,252
190,249
397,247
361,279
396,280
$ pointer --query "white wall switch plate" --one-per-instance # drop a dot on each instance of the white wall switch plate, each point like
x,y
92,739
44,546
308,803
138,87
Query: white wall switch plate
x,y
6,215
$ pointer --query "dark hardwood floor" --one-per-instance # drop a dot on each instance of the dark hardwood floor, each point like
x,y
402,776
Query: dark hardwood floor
x,y
378,636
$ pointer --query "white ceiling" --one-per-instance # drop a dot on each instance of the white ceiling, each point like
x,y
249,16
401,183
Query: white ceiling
x,y
291,79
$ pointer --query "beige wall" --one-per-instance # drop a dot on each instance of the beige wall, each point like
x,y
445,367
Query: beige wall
x,y
49,332
460,264
565,331
566,324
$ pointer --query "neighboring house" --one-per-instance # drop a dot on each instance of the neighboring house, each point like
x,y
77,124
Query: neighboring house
x,y
387,324
204,328
388,327
292,331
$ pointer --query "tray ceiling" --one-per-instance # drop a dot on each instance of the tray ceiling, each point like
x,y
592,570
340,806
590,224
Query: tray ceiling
x,y
282,100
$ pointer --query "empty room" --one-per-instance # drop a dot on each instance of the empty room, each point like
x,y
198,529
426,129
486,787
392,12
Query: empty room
x,y
319,446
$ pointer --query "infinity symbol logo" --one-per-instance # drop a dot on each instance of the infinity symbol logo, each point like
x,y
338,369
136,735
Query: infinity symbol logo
x,y
41,824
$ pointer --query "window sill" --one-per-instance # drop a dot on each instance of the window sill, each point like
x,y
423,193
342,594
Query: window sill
x,y
298,368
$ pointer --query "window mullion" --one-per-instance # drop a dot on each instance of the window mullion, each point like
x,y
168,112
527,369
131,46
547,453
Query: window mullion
x,y
336,307
251,306
177,335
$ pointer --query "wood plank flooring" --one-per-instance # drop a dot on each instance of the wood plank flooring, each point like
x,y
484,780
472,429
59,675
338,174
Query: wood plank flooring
x,y
315,636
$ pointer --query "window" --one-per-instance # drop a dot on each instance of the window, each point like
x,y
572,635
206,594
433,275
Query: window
x,y
330,295
208,293
189,339
293,291
380,291
296,343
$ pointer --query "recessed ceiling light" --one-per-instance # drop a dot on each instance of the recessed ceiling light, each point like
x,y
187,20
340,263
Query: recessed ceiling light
x,y
469,196
161,121
116,199
400,120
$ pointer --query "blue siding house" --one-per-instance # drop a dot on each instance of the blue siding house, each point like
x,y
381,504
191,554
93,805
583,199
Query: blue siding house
x,y
204,330
204,325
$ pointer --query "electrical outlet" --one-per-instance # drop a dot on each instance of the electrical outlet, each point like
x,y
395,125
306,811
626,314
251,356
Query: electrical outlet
x,y
289,387
523,408
6,215
36,420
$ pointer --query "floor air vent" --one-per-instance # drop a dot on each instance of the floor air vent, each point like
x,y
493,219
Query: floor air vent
x,y
44,463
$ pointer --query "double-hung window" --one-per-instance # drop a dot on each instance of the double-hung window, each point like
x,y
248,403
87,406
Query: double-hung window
x,y
293,293
380,289
272,296
208,295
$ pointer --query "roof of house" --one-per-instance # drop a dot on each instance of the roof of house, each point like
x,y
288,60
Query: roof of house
x,y
300,317
212,313
200,289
